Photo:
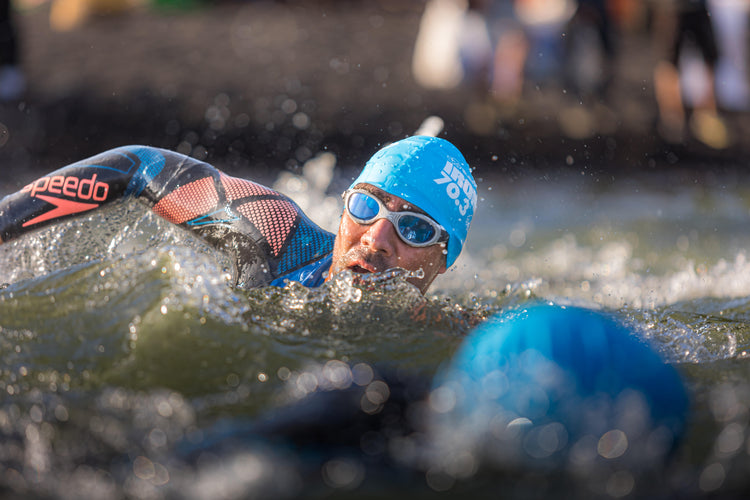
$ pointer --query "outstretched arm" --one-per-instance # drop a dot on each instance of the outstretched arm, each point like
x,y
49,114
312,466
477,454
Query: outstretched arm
x,y
266,233
83,186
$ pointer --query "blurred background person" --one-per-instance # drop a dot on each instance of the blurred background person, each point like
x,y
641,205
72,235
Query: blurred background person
x,y
436,60
730,19
544,22
510,49
476,43
589,64
590,49
684,83
12,84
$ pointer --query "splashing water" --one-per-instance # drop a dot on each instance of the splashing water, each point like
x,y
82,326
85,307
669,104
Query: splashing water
x,y
131,367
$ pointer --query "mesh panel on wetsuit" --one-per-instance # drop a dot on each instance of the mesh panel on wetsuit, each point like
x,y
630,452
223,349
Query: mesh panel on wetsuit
x,y
273,218
309,242
188,201
241,188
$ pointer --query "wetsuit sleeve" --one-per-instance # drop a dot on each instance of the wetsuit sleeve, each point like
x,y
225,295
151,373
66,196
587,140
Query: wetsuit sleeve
x,y
264,232
78,188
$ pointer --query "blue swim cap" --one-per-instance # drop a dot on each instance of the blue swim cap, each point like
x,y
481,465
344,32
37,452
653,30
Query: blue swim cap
x,y
432,174
573,372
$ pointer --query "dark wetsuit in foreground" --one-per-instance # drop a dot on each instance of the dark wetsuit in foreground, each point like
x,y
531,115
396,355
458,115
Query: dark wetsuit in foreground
x,y
266,234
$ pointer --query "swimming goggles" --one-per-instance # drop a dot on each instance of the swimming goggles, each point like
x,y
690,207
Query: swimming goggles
x,y
414,229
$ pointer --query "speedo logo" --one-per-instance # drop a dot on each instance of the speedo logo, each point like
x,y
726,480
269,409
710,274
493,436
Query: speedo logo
x,y
71,187
456,184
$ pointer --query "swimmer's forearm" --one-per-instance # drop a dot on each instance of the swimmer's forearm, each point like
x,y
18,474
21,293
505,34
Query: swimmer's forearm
x,y
132,171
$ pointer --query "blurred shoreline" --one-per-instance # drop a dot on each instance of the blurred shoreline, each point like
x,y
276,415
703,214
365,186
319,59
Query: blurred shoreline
x,y
259,87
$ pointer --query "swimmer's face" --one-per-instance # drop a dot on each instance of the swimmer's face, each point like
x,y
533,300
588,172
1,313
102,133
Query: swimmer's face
x,y
368,248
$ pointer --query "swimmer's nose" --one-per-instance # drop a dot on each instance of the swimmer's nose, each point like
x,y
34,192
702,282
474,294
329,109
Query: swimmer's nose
x,y
381,237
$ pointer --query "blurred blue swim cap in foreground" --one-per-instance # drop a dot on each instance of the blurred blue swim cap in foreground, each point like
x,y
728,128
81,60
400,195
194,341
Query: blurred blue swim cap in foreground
x,y
560,386
432,174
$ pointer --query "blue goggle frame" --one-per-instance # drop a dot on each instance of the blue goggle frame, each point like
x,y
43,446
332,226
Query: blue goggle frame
x,y
414,229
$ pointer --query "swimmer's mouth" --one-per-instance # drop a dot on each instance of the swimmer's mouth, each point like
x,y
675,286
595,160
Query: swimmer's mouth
x,y
357,268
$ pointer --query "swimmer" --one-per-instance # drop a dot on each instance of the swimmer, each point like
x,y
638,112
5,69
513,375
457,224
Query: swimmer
x,y
410,208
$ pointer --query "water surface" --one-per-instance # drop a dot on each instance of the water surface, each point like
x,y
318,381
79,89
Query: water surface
x,y
132,368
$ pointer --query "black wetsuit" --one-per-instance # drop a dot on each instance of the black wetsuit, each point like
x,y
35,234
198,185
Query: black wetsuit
x,y
266,233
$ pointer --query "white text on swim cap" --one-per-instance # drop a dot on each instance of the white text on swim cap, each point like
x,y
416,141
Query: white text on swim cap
x,y
455,183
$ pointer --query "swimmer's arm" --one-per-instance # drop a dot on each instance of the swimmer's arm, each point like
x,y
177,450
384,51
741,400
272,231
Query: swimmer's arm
x,y
248,221
140,172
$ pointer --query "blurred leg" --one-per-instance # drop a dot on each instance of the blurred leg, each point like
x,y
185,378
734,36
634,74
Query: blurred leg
x,y
669,98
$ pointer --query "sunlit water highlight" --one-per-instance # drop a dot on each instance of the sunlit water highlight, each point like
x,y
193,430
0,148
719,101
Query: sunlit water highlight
x,y
129,362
